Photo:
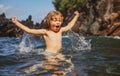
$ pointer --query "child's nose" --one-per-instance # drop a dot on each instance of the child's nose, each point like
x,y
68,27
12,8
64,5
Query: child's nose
x,y
58,22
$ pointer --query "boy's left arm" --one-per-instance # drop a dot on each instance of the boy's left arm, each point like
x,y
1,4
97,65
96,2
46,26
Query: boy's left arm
x,y
71,23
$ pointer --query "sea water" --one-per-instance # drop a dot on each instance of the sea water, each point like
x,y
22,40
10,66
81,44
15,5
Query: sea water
x,y
81,56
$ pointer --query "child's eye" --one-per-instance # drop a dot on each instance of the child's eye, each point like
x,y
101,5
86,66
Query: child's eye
x,y
53,19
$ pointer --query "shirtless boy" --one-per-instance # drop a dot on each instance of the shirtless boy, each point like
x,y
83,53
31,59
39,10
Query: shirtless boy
x,y
53,33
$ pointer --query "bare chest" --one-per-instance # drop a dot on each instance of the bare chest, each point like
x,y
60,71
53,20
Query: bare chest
x,y
54,37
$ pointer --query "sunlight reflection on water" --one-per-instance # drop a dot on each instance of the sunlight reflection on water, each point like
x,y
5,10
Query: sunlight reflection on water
x,y
102,59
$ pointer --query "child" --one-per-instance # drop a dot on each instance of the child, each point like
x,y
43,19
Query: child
x,y
53,32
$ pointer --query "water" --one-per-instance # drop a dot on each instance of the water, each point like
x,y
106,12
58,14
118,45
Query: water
x,y
90,56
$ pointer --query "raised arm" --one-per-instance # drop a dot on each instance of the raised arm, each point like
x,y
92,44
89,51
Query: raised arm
x,y
71,23
26,29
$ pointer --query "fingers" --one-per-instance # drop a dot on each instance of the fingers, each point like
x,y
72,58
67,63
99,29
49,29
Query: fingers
x,y
14,19
76,13
79,13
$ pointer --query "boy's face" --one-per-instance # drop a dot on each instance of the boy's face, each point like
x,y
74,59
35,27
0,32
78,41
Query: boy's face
x,y
55,23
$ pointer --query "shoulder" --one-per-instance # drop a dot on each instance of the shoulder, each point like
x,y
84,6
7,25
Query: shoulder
x,y
46,31
41,31
63,29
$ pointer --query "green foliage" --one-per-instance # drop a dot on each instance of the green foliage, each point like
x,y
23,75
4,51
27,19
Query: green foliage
x,y
64,5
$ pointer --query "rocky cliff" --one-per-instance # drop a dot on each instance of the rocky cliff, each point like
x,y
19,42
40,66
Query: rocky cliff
x,y
7,28
99,18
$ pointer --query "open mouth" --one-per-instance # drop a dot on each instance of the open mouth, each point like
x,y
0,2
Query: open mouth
x,y
57,26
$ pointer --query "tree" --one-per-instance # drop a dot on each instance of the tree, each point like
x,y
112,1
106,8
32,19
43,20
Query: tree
x,y
64,5
3,15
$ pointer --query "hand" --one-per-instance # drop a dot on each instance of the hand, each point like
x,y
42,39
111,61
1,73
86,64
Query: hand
x,y
14,19
76,13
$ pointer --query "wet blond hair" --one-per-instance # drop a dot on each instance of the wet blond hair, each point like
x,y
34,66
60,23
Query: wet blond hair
x,y
46,21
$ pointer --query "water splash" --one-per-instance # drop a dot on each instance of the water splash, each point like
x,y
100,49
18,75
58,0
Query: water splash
x,y
29,43
116,37
78,42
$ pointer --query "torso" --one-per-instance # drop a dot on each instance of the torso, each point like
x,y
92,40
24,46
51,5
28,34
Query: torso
x,y
53,41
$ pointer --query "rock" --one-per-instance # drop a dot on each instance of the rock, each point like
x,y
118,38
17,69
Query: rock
x,y
8,29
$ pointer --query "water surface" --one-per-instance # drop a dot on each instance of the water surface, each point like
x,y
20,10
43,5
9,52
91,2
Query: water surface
x,y
102,59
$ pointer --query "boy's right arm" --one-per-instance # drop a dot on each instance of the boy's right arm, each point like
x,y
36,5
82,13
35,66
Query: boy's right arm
x,y
26,29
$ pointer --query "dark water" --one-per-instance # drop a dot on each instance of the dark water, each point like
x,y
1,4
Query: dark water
x,y
102,59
